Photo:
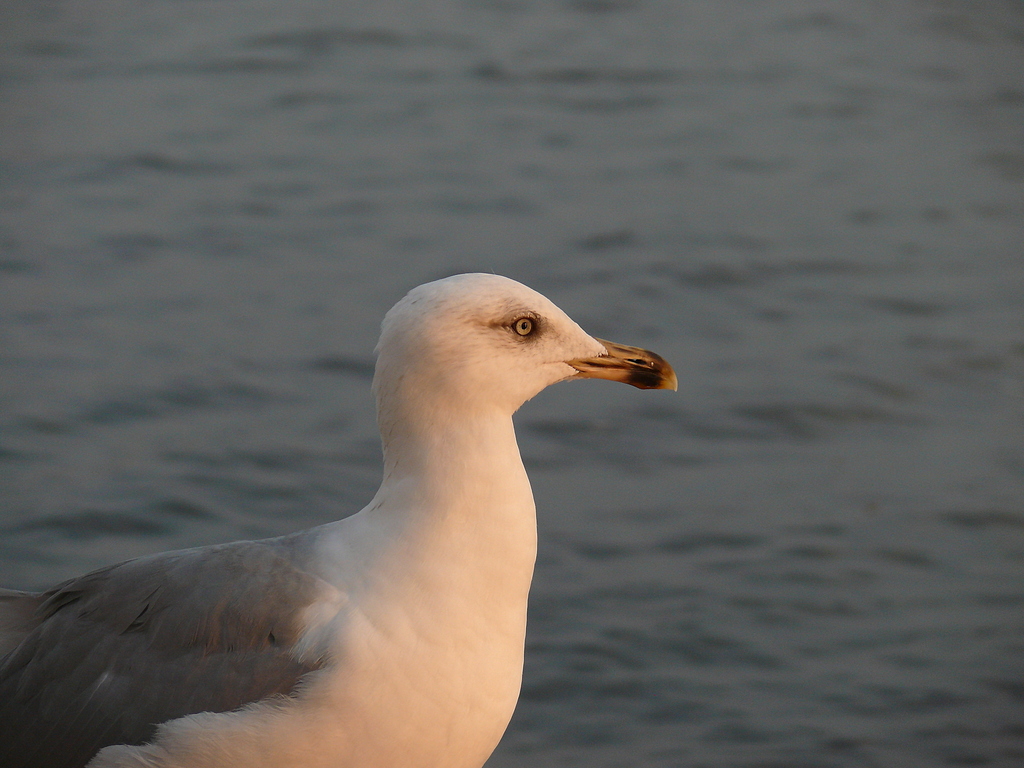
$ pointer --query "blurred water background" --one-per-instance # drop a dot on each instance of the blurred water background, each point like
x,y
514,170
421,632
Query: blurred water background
x,y
813,555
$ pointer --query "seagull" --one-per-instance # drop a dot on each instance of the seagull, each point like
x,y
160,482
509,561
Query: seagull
x,y
393,638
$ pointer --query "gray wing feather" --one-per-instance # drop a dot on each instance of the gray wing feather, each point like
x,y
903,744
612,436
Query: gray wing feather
x,y
106,657
17,618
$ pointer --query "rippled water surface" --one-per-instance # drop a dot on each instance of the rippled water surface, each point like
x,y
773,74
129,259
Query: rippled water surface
x,y
811,555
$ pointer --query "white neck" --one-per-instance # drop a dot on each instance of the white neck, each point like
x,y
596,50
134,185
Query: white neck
x,y
435,574
460,486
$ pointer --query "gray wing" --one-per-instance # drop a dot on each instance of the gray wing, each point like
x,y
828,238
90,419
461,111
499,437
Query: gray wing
x,y
106,657
17,617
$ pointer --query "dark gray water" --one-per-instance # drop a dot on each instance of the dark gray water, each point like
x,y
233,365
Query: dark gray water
x,y
813,555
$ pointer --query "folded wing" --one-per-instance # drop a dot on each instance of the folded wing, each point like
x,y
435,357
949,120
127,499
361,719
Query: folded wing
x,y
104,658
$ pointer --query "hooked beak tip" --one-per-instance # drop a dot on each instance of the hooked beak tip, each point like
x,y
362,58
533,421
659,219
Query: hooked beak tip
x,y
630,365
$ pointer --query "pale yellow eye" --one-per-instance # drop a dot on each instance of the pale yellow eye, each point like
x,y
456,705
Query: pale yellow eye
x,y
523,326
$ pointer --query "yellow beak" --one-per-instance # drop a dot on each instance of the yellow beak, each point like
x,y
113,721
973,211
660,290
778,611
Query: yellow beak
x,y
630,365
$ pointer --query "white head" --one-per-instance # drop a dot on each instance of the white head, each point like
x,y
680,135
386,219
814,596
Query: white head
x,y
480,341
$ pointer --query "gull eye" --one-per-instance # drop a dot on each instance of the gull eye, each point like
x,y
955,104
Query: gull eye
x,y
523,326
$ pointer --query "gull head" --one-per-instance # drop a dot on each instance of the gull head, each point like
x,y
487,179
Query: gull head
x,y
485,341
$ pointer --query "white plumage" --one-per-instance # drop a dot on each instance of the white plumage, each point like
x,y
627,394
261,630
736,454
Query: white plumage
x,y
390,638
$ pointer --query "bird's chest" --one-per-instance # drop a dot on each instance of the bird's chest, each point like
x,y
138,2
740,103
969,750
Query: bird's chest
x,y
431,680
427,652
